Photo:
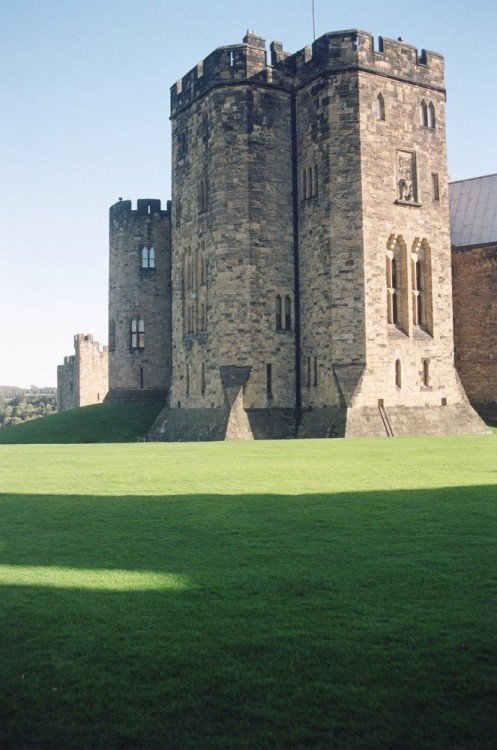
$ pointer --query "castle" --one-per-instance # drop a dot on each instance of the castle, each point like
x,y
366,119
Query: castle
x,y
299,283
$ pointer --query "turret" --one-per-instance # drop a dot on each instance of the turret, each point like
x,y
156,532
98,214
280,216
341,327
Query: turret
x,y
139,301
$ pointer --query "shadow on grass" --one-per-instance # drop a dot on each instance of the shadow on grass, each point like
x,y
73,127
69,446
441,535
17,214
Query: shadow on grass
x,y
361,620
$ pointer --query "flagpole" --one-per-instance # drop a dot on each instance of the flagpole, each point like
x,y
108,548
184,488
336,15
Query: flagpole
x,y
313,20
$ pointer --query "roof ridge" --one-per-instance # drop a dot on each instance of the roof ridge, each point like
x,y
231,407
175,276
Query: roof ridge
x,y
469,179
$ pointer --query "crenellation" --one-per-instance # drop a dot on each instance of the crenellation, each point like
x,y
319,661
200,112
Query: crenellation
x,y
83,378
139,300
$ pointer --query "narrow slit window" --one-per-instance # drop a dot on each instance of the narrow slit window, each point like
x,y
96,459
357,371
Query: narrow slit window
x,y
398,374
315,182
187,380
202,379
141,378
269,380
315,381
426,373
308,373
435,186
431,116
380,107
288,313
278,312
423,114
112,335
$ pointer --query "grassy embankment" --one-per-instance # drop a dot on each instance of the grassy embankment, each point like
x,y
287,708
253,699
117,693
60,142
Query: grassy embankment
x,y
326,594
99,423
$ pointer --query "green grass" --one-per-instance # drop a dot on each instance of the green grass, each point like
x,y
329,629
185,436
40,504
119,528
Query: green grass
x,y
99,423
323,594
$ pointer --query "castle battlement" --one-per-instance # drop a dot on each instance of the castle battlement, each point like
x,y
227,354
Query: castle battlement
x,y
144,207
333,52
86,340
356,49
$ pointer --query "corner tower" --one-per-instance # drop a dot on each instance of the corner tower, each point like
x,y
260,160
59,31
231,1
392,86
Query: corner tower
x,y
139,302
233,262
375,265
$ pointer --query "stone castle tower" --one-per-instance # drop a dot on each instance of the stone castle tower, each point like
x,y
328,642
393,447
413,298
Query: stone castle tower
x,y
310,250
139,302
83,377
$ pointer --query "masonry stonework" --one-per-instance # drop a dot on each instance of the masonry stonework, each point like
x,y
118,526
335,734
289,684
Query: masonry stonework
x,y
83,378
313,178
139,302
301,283
475,313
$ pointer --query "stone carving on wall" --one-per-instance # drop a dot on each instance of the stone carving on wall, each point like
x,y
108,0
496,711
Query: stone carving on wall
x,y
406,177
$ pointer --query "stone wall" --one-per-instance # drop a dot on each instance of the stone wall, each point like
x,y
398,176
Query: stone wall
x,y
83,378
92,364
234,143
474,275
67,397
139,297
315,186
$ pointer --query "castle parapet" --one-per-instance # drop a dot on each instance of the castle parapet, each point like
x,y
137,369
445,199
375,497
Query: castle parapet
x,y
334,51
356,49
144,206
237,62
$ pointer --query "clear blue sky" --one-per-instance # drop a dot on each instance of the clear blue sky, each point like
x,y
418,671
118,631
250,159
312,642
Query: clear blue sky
x,y
84,92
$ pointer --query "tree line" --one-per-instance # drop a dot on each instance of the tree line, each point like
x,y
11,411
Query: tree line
x,y
23,404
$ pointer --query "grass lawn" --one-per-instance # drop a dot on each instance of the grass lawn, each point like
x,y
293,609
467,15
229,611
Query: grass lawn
x,y
317,594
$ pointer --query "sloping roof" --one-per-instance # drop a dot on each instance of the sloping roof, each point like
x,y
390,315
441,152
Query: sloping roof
x,y
473,211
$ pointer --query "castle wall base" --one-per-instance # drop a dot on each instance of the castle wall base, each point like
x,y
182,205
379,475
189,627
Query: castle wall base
x,y
135,396
190,425
403,421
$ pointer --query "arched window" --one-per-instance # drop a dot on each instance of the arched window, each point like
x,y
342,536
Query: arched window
x,y
144,257
431,116
418,300
393,291
288,313
423,114
398,374
151,258
380,107
422,312
278,312
397,294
